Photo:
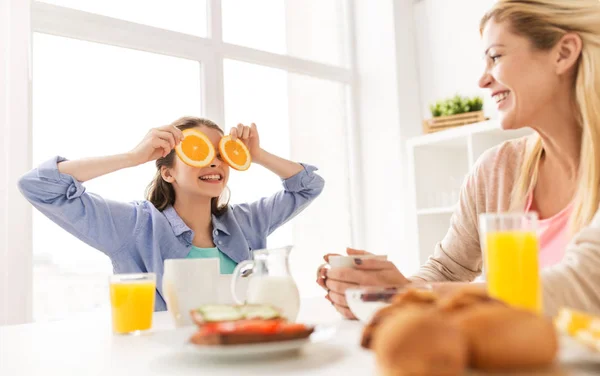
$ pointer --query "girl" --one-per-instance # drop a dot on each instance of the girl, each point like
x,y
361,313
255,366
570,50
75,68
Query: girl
x,y
543,59
186,213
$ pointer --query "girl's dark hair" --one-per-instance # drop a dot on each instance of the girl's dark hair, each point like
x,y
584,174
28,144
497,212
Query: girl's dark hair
x,y
161,193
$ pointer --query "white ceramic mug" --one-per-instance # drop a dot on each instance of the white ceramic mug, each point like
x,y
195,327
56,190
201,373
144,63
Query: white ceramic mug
x,y
189,283
348,261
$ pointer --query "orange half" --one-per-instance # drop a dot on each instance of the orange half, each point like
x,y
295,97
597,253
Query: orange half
x,y
235,153
195,150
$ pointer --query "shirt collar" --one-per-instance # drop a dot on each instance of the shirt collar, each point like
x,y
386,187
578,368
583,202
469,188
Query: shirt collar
x,y
179,227
219,222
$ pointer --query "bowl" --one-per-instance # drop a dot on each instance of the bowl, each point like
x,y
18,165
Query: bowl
x,y
364,302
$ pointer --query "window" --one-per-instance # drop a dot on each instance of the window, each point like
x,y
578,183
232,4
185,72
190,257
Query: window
x,y
98,93
304,119
308,29
91,99
184,16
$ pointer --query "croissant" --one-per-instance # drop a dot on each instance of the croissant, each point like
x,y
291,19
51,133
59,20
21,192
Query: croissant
x,y
421,334
419,342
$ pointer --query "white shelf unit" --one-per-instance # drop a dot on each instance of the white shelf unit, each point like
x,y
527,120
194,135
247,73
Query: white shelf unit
x,y
438,164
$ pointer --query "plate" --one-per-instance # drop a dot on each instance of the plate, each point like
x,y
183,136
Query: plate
x,y
574,352
179,339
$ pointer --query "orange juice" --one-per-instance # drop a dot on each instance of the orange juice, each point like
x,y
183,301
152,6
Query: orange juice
x,y
512,268
132,305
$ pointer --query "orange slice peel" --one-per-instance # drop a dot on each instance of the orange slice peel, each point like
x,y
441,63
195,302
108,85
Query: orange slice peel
x,y
196,149
235,153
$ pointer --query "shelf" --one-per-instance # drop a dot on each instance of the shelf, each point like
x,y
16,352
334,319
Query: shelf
x,y
438,162
440,210
454,136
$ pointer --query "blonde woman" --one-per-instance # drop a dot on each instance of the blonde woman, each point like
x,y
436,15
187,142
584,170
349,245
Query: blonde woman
x,y
543,71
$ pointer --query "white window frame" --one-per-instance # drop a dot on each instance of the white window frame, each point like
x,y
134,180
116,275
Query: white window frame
x,y
19,19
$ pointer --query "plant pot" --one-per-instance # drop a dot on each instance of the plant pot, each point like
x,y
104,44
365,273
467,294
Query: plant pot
x,y
441,123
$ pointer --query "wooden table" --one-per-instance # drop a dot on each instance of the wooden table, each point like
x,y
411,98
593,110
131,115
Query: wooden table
x,y
85,346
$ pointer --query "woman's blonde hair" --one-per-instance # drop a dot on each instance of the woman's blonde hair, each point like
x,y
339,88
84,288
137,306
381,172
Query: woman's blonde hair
x,y
544,23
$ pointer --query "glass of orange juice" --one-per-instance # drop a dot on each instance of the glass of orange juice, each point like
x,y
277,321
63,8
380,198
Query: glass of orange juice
x,y
510,248
132,302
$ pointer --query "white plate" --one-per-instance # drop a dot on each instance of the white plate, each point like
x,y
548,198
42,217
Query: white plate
x,y
179,339
574,352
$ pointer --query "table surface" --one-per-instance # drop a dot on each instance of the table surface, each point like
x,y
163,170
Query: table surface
x,y
85,345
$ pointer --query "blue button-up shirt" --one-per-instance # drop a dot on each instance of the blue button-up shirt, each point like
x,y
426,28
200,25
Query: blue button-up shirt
x,y
138,238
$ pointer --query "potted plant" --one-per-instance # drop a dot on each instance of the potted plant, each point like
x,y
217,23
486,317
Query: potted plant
x,y
454,112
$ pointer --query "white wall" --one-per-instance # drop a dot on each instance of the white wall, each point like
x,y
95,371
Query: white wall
x,y
388,111
410,115
15,125
448,48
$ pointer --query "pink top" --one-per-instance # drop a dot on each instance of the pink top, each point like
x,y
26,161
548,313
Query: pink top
x,y
553,235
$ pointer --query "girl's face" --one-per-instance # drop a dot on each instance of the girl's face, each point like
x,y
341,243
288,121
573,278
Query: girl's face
x,y
522,80
209,181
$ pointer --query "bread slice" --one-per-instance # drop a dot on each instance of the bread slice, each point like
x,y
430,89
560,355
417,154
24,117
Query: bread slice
x,y
216,339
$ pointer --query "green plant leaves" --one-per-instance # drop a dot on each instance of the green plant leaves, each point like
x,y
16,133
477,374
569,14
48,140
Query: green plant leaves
x,y
456,105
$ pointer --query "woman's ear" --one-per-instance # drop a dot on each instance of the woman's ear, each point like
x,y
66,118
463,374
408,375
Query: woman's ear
x,y
568,50
165,172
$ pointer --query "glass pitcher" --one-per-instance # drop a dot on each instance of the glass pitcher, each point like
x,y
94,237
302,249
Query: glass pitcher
x,y
270,281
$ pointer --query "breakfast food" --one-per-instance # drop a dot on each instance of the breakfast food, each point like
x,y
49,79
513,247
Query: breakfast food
x,y
417,299
419,332
249,331
422,344
570,321
503,338
211,313
243,324
466,298
415,296
582,326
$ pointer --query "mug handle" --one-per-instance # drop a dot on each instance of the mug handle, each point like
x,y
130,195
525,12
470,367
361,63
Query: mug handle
x,y
240,271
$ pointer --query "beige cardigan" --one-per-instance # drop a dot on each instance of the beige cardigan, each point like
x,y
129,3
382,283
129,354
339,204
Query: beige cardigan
x,y
574,282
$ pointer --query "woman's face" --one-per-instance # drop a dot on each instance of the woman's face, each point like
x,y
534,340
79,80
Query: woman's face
x,y
209,181
521,79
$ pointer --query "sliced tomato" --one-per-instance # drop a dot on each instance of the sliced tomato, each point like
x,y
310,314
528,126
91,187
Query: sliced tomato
x,y
258,326
293,328
242,326
264,327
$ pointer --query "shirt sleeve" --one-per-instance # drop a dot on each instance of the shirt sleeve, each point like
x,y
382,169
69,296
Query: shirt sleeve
x,y
267,214
103,224
575,281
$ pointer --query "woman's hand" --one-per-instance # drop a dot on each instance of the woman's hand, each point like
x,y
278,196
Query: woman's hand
x,y
249,136
366,272
157,143
322,270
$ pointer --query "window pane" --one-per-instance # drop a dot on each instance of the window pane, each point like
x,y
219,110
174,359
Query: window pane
x,y
309,29
184,16
304,119
91,100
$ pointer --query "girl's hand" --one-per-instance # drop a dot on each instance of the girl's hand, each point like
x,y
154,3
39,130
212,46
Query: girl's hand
x,y
157,143
249,136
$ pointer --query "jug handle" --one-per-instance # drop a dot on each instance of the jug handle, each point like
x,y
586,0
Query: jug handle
x,y
242,270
